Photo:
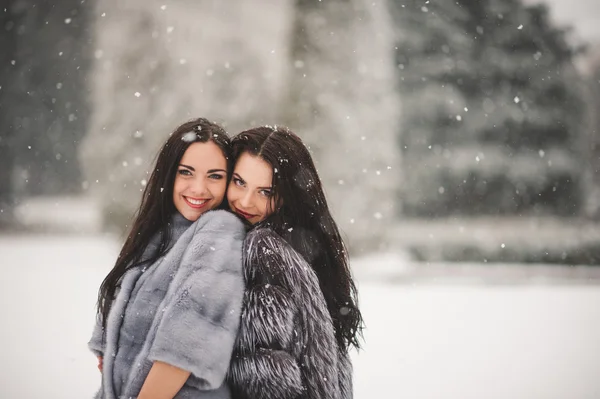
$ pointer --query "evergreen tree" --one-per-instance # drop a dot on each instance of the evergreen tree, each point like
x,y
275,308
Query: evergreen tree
x,y
505,136
8,41
592,158
46,111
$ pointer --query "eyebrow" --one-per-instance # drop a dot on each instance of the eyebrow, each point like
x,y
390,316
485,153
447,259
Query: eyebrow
x,y
187,166
209,171
242,179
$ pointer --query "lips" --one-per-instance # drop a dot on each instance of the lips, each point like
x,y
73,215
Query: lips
x,y
244,214
195,203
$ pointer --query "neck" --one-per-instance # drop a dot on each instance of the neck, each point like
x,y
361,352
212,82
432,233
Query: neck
x,y
178,224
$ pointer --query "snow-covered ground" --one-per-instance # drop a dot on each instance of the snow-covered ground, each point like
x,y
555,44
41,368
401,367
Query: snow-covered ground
x,y
424,340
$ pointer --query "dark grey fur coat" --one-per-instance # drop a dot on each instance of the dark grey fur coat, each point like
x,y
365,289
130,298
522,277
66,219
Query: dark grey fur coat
x,y
286,346
183,310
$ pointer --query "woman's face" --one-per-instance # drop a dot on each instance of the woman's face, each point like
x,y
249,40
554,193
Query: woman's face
x,y
250,190
201,180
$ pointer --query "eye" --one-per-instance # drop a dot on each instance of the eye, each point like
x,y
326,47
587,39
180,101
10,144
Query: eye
x,y
184,172
238,181
266,193
215,176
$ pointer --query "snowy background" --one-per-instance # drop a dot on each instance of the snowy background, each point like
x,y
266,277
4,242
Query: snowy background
x,y
458,142
446,331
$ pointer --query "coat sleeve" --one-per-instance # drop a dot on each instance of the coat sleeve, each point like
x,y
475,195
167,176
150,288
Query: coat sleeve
x,y
200,321
96,343
314,347
345,376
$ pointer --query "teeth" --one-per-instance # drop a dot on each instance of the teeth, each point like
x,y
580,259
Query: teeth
x,y
195,202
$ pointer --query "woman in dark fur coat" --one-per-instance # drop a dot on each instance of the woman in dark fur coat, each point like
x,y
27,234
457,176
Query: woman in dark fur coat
x,y
300,315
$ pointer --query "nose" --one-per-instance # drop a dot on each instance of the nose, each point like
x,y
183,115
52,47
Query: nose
x,y
199,188
246,199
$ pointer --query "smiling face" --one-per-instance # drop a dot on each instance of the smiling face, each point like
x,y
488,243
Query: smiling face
x,y
250,192
201,180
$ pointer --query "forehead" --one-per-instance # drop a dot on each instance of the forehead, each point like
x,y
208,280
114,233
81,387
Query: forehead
x,y
204,156
254,170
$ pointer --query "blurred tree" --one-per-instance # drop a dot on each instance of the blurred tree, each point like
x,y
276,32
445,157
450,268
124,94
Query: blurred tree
x,y
344,103
8,44
158,65
593,154
47,112
494,109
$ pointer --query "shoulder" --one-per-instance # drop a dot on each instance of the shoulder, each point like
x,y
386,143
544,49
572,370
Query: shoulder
x,y
216,232
214,243
266,253
262,235
220,222
264,242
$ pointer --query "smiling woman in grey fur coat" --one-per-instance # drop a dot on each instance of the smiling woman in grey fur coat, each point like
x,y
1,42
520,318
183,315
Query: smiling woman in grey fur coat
x,y
169,310
300,314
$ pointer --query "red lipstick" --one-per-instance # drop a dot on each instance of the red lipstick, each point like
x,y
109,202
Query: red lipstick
x,y
244,214
196,206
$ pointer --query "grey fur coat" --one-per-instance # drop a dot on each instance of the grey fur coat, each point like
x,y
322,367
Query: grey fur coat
x,y
183,310
286,346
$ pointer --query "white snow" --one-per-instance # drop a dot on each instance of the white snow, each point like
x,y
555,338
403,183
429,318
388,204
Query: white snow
x,y
428,340
479,342
47,296
75,214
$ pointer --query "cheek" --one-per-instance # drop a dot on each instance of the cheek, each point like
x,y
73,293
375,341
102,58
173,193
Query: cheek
x,y
178,187
232,192
219,188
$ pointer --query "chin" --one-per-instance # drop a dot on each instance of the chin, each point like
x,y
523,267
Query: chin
x,y
191,218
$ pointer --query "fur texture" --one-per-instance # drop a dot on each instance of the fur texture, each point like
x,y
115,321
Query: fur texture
x,y
286,346
183,310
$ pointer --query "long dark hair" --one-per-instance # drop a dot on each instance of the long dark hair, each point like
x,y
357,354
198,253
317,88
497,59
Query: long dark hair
x,y
303,219
157,207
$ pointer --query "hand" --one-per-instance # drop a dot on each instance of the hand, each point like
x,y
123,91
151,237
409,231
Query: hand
x,y
100,363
